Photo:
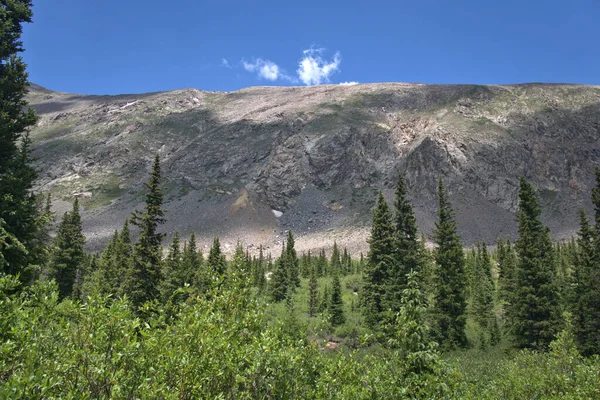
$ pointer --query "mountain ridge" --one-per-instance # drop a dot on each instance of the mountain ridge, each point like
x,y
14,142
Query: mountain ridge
x,y
319,155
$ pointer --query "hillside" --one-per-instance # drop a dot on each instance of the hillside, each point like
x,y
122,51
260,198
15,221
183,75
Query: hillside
x,y
318,155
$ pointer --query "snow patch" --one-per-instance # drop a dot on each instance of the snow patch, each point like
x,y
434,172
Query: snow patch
x,y
276,213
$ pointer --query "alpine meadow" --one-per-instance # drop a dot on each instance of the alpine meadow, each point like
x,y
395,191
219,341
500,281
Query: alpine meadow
x,y
355,241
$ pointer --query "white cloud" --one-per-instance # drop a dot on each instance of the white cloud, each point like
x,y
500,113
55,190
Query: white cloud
x,y
314,70
266,69
352,83
225,63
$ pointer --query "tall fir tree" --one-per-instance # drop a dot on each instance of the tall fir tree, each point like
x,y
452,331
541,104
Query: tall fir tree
x,y
483,288
533,315
292,262
280,278
191,261
335,265
336,303
68,254
380,261
406,247
18,211
144,274
215,262
313,293
172,270
450,297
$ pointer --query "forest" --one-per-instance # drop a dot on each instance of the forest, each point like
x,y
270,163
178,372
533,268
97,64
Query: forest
x,y
410,319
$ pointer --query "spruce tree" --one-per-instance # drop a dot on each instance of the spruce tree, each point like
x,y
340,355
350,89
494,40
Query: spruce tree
x,y
336,304
313,293
335,265
280,278
450,298
406,248
18,211
68,254
144,274
291,261
172,270
380,261
191,261
239,266
483,290
216,266
534,312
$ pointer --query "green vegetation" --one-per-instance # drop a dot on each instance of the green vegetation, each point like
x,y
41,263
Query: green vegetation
x,y
406,322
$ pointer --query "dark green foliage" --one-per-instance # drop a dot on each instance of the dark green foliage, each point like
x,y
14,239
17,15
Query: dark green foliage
x,y
68,254
412,332
291,262
172,271
322,265
215,262
239,267
18,206
259,279
335,265
534,311
279,284
483,289
144,273
450,299
406,248
380,261
313,293
336,304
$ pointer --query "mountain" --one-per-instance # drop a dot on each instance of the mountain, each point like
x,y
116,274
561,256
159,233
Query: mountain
x,y
252,163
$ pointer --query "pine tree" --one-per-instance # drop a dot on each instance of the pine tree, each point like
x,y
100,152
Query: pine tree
x,y
18,206
335,265
336,304
239,266
450,299
534,314
313,293
216,260
280,284
406,248
322,266
68,255
144,274
259,271
191,262
290,259
483,290
172,271
412,332
380,260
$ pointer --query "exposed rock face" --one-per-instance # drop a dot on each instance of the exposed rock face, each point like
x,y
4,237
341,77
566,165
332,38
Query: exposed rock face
x,y
319,155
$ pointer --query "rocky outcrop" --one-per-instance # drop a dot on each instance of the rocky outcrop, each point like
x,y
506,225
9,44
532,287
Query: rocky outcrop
x,y
319,155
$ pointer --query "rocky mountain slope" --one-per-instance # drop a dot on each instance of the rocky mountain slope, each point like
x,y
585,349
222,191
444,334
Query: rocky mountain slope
x,y
250,164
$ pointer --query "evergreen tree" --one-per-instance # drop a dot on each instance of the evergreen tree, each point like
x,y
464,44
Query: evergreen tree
x,y
191,261
280,284
380,260
335,265
322,266
144,274
313,293
172,270
336,304
290,259
259,271
412,332
68,254
406,248
483,290
18,206
450,299
239,266
216,260
534,313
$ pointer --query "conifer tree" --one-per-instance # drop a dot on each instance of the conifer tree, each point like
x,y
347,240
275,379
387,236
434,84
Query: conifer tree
x,y
313,293
380,260
216,260
291,262
18,206
534,311
259,271
406,247
322,266
144,273
239,266
450,298
483,290
68,254
335,265
336,304
191,261
172,270
280,284
412,333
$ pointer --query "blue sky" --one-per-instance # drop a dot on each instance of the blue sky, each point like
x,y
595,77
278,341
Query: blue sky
x,y
132,46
